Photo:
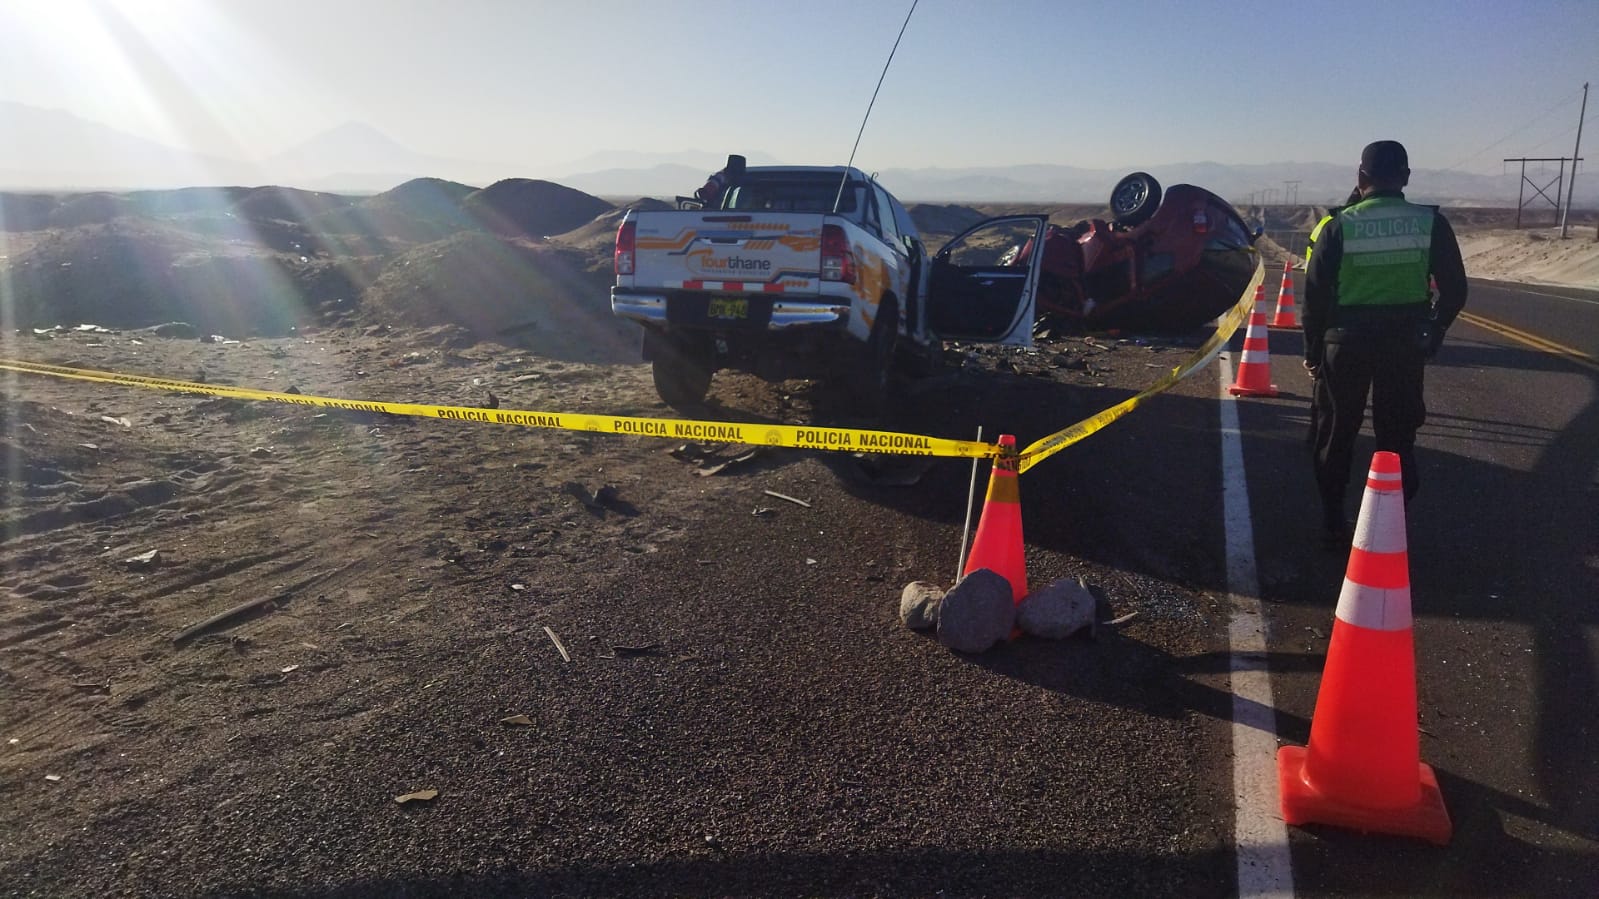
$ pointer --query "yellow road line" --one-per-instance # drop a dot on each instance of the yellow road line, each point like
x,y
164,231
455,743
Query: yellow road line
x,y
1533,340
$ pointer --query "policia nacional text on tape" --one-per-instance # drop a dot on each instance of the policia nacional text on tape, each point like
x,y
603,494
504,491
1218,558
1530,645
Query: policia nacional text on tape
x,y
797,437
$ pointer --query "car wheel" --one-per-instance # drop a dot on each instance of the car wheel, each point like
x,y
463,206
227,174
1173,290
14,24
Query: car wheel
x,y
878,361
1135,199
682,371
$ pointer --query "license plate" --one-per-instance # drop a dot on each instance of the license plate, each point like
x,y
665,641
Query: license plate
x,y
728,308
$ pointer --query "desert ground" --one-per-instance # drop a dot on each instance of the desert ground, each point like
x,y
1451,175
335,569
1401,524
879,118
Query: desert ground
x,y
259,649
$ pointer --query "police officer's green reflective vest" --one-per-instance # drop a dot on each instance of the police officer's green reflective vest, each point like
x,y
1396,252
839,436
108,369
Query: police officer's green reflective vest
x,y
1387,251
1310,245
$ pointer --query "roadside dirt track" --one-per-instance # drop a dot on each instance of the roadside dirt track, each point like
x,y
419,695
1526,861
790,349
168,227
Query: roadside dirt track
x,y
742,713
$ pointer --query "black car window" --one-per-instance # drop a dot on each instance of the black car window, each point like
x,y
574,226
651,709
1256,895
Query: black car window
x,y
789,194
885,216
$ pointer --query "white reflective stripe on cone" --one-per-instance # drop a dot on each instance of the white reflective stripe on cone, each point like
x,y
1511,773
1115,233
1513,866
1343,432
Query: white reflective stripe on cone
x,y
1255,357
1374,608
1381,528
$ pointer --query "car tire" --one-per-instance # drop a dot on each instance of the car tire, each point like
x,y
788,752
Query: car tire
x,y
682,371
877,362
1134,199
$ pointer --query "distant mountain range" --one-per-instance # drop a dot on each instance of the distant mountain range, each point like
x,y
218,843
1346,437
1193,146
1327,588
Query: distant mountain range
x,y
51,150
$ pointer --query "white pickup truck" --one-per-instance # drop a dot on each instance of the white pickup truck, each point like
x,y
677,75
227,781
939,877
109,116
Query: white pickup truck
x,y
814,272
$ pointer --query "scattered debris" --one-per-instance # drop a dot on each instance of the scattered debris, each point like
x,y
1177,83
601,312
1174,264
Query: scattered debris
x,y
288,668
881,470
1123,619
418,796
798,502
53,778
109,419
151,559
518,721
565,656
761,511
743,458
225,616
96,688
646,649
687,452
178,330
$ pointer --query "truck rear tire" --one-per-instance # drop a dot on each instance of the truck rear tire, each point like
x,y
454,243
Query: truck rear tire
x,y
682,371
877,363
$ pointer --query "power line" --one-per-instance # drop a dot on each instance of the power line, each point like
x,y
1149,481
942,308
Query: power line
x,y
1545,114
890,61
1566,133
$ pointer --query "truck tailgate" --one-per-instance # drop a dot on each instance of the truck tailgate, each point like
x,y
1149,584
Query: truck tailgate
x,y
733,252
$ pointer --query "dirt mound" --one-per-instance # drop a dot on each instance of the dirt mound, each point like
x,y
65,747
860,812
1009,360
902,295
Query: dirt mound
x,y
288,204
599,235
931,218
133,273
187,200
519,207
89,209
25,212
540,297
421,210
424,197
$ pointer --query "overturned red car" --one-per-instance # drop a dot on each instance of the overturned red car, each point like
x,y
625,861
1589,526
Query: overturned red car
x,y
1169,260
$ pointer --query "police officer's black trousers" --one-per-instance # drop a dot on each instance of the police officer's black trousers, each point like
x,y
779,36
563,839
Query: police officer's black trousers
x,y
1390,367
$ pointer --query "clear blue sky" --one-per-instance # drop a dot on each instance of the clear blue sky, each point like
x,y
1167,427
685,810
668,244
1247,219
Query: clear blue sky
x,y
1100,85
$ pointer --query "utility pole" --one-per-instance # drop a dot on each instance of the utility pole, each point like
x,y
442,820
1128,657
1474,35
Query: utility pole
x,y
1558,183
1576,156
1294,186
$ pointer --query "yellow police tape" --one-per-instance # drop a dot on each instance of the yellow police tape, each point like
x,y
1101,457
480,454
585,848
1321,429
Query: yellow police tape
x,y
819,438
840,439
1039,450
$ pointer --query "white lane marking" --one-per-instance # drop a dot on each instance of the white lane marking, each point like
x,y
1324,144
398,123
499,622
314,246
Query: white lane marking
x,y
1514,287
1265,868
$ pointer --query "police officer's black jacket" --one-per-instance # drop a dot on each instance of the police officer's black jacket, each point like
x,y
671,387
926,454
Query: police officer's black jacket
x,y
1321,284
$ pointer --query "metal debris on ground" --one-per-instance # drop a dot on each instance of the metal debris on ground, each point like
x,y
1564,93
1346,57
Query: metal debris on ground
x,y
565,656
786,498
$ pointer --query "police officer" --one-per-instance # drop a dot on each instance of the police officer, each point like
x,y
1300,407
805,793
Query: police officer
x,y
1371,323
1310,244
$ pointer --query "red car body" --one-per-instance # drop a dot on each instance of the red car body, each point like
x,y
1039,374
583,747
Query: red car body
x,y
1170,262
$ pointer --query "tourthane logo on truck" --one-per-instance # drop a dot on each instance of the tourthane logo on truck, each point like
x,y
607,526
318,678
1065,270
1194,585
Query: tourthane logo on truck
x,y
705,263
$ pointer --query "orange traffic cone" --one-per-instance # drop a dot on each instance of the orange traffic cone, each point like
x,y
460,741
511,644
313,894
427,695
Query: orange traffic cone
x,y
1254,367
1362,769
998,546
1287,314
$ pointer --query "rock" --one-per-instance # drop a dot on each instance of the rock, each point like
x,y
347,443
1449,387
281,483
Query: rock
x,y
176,330
918,605
1057,611
977,613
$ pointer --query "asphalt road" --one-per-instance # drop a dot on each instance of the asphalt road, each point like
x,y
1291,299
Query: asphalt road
x,y
1504,569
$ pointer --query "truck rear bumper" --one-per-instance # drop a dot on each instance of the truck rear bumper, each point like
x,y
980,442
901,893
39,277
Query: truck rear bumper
x,y
786,312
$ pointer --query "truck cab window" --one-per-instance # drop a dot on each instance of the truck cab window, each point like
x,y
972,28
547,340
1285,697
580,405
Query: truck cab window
x,y
885,216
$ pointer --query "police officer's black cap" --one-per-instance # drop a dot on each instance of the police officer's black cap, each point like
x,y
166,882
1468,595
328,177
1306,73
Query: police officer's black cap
x,y
1385,160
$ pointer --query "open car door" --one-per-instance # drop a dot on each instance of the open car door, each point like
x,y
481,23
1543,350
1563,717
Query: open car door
x,y
983,285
